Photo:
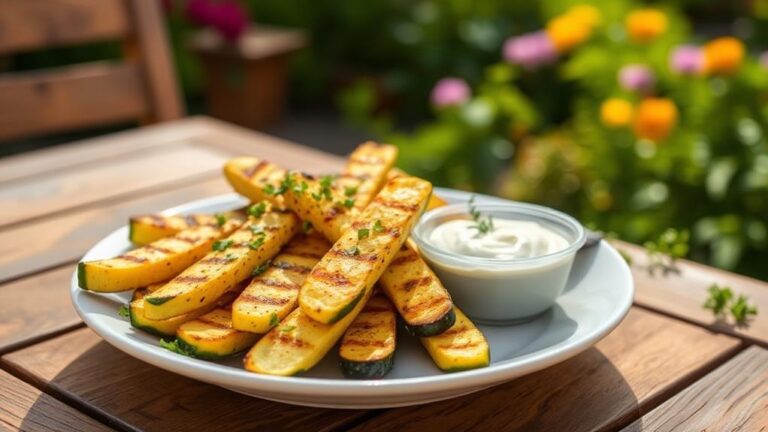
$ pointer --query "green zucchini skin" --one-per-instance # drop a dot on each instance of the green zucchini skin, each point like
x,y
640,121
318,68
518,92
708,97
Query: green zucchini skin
x,y
367,370
434,328
148,329
348,308
81,281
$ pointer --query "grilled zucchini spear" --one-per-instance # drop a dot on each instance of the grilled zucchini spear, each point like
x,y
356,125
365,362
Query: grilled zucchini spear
x,y
212,337
367,349
255,179
231,262
146,229
357,260
273,294
459,348
366,172
153,263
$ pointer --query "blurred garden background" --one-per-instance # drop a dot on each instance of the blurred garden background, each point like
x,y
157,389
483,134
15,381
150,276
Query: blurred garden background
x,y
648,121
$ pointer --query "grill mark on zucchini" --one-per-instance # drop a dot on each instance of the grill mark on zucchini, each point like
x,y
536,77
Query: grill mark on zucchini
x,y
187,239
361,257
331,278
290,340
366,343
279,284
425,305
398,205
251,171
157,220
460,346
191,221
191,279
292,267
216,260
133,259
455,331
404,259
264,300
332,214
415,283
158,249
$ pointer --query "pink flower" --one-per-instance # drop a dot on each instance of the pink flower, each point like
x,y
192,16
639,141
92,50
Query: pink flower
x,y
764,59
686,59
450,91
636,77
231,20
531,50
202,12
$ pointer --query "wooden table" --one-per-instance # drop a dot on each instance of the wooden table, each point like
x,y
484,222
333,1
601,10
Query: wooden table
x,y
668,366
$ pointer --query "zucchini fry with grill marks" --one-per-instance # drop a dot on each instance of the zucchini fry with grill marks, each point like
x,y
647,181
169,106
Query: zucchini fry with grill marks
x,y
365,173
357,260
434,201
212,336
156,262
459,348
255,179
146,229
272,295
298,343
231,262
367,349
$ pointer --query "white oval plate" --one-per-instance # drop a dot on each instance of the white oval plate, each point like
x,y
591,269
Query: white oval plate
x,y
598,296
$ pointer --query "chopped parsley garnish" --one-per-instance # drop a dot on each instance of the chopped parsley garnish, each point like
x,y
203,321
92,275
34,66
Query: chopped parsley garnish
x,y
306,226
287,328
260,269
363,233
221,219
483,226
300,188
350,191
348,203
269,189
353,251
257,210
257,242
325,189
377,227
256,229
173,345
124,311
273,320
220,245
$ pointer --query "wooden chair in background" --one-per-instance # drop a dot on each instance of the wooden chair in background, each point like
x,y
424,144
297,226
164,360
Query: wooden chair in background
x,y
141,87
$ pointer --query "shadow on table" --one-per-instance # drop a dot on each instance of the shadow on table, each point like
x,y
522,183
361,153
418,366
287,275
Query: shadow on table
x,y
127,394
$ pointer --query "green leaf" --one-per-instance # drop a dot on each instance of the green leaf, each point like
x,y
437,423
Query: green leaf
x,y
741,309
173,345
260,268
220,245
257,210
306,226
221,219
718,299
363,233
274,320
124,311
287,328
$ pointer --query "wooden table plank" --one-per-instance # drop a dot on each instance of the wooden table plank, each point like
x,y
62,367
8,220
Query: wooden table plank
x,y
732,398
108,384
45,194
67,236
645,360
682,293
35,307
23,407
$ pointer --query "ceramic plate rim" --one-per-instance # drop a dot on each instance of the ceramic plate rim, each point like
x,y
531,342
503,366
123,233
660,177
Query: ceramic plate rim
x,y
226,376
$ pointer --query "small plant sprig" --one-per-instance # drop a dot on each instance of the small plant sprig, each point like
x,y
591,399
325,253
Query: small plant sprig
x,y
483,226
670,246
124,311
720,301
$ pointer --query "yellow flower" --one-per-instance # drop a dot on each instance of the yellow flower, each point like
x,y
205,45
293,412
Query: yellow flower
x,y
723,55
616,112
585,14
655,118
645,25
566,31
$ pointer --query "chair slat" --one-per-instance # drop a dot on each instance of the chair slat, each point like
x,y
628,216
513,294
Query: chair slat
x,y
35,24
79,96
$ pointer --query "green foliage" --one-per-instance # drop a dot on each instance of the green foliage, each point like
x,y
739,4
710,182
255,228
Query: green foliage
x,y
720,301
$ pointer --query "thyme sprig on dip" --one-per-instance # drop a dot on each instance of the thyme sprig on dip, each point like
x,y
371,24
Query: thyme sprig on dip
x,y
482,225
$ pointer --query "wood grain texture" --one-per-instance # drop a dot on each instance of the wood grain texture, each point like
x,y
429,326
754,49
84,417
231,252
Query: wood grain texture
x,y
34,24
74,97
25,408
734,397
35,307
215,133
139,172
134,395
148,47
681,293
645,360
69,235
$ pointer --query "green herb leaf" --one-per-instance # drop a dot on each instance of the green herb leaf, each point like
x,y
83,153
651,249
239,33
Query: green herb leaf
x,y
718,299
260,268
483,226
257,210
221,219
269,189
124,311
306,226
287,328
350,191
348,203
273,320
377,227
300,188
220,245
741,309
363,233
257,243
257,230
353,251
173,345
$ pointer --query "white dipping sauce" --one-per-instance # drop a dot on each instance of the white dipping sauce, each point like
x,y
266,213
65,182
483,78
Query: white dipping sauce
x,y
509,239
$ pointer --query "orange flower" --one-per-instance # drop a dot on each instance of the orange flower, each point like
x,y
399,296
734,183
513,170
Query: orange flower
x,y
566,31
723,55
616,112
655,118
645,25
585,14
